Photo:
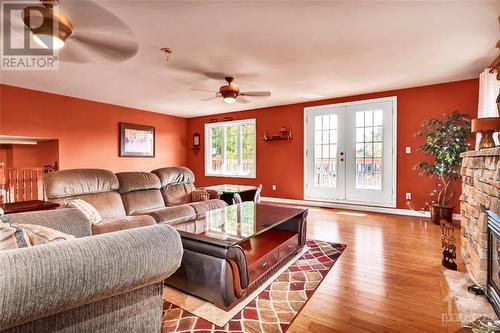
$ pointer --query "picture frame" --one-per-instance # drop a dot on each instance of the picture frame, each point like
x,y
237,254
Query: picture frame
x,y
136,140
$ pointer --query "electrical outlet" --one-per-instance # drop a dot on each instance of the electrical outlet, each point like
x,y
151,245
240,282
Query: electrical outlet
x,y
274,187
408,196
408,150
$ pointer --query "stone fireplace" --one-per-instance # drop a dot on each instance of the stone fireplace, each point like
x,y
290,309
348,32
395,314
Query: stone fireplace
x,y
480,193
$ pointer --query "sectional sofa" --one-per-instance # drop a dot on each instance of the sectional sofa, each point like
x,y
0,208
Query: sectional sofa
x,y
131,199
104,283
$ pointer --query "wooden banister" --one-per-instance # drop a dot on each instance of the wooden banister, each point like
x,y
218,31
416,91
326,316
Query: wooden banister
x,y
21,184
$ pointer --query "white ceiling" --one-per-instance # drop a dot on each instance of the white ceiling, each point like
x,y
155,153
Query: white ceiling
x,y
322,49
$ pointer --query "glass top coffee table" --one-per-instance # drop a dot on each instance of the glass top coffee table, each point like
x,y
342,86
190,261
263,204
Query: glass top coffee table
x,y
235,224
230,251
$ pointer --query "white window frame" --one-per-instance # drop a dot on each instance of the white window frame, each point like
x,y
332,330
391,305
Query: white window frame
x,y
223,125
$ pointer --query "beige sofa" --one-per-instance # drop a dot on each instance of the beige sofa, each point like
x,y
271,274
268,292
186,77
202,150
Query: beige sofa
x,y
131,199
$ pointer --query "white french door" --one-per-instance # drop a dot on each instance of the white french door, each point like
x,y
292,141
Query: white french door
x,y
349,152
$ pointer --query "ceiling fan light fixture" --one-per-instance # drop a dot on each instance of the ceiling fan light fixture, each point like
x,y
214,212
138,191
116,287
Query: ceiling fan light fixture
x,y
53,30
229,100
48,41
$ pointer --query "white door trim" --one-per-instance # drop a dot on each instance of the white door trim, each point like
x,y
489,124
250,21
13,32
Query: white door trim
x,y
394,100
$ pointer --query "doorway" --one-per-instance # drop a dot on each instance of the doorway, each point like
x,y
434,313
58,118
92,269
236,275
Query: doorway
x,y
350,154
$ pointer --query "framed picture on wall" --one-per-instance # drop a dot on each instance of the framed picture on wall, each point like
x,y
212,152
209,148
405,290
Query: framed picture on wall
x,y
137,140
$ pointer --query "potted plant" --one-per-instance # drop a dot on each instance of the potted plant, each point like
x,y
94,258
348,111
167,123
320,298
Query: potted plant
x,y
445,140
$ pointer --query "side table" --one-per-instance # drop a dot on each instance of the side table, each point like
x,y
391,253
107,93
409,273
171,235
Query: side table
x,y
28,206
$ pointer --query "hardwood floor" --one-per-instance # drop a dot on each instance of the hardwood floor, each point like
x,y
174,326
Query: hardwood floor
x,y
389,279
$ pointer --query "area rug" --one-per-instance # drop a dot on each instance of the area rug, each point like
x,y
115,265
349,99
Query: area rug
x,y
208,311
275,308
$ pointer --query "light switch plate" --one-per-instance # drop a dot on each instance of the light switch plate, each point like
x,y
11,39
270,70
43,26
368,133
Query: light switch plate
x,y
408,150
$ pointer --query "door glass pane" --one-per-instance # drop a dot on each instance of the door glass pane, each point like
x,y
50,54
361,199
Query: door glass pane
x,y
369,150
325,151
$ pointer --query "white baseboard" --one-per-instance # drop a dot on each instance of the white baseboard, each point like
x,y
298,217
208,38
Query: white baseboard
x,y
386,210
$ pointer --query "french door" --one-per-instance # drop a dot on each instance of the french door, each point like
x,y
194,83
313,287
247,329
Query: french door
x,y
349,152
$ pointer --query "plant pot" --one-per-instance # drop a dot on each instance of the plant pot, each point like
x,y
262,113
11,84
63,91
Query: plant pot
x,y
441,213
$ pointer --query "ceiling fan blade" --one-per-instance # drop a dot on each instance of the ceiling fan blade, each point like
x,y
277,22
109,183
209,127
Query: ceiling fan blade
x,y
256,93
73,54
242,100
209,98
89,16
107,46
203,90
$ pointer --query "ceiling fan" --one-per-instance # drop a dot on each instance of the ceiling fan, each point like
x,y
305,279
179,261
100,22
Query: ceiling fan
x,y
91,26
230,92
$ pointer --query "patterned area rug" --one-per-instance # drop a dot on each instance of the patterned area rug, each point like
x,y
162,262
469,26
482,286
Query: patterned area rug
x,y
275,308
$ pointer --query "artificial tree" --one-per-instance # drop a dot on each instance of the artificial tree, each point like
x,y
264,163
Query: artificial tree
x,y
445,140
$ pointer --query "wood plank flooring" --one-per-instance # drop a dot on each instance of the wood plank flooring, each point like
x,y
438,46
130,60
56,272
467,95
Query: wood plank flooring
x,y
389,279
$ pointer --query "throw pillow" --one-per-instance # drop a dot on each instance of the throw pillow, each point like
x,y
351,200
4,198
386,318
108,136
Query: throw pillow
x,y
39,235
87,209
200,195
12,237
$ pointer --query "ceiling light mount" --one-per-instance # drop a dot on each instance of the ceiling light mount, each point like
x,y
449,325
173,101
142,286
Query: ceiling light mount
x,y
167,51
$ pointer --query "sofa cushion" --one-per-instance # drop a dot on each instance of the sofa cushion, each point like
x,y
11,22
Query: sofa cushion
x,y
204,206
126,222
96,186
12,237
137,181
173,215
108,204
177,194
200,195
174,175
74,182
90,212
139,201
39,235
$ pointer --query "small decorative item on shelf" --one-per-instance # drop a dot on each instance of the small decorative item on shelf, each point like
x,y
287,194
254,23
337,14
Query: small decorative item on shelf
x,y
448,245
285,135
486,126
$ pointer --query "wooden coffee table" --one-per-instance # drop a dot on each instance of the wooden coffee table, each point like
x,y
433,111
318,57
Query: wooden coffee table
x,y
229,252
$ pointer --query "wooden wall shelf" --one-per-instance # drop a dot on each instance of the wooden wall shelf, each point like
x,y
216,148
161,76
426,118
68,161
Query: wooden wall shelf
x,y
277,139
285,135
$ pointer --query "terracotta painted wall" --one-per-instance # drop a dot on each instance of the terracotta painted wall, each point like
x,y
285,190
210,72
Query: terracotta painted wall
x,y
281,163
19,156
88,131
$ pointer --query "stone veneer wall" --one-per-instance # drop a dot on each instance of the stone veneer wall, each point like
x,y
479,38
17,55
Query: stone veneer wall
x,y
480,192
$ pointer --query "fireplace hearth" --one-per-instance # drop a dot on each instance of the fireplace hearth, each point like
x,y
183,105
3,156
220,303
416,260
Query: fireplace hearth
x,y
493,282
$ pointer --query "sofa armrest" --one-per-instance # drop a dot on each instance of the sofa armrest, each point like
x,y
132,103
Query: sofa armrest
x,y
68,220
214,194
39,281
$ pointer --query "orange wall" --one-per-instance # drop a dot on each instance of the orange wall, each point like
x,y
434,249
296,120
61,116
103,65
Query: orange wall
x,y
281,163
41,154
88,131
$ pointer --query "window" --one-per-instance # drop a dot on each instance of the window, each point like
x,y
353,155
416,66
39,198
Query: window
x,y
230,148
